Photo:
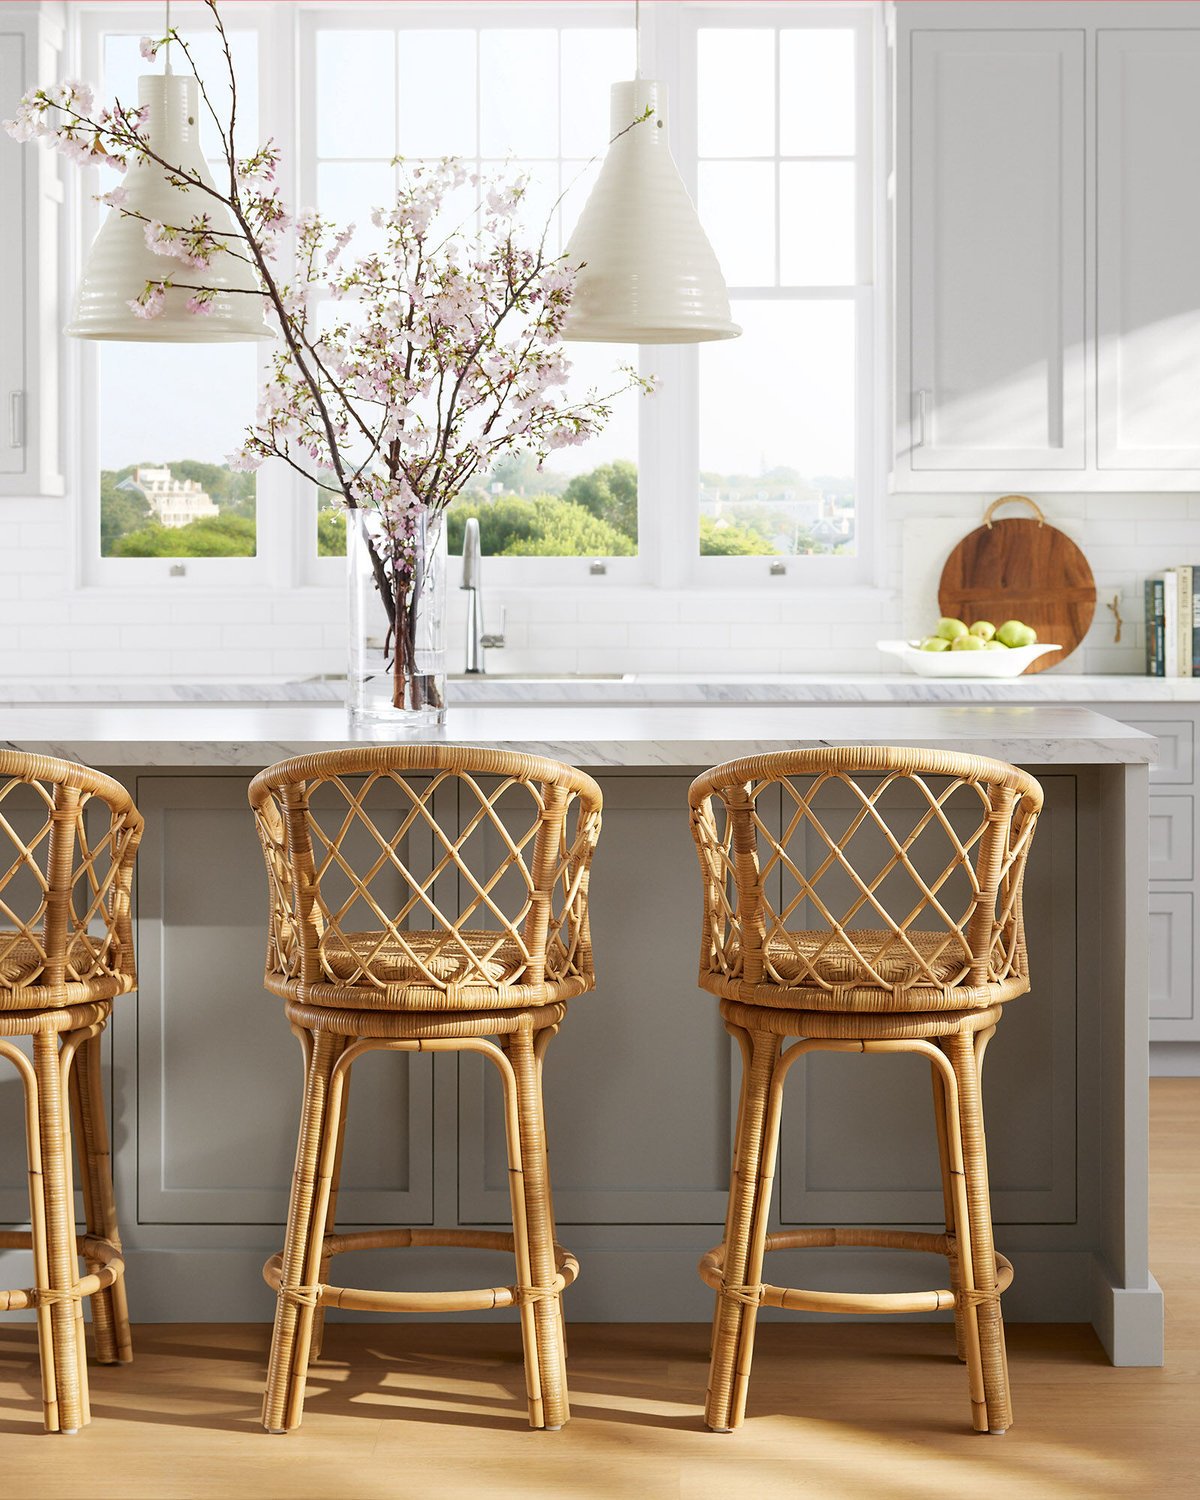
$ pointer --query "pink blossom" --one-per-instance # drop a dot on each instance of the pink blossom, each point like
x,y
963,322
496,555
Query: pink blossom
x,y
241,461
200,304
115,197
150,303
148,48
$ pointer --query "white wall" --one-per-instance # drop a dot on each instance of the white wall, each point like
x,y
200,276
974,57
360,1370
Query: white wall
x,y
49,629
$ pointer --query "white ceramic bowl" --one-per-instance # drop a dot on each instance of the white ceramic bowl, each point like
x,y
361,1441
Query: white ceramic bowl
x,y
1009,663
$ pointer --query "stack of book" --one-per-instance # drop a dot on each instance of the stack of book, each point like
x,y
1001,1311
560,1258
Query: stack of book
x,y
1173,624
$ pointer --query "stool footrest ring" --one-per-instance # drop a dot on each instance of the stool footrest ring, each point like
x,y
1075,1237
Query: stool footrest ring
x,y
712,1272
91,1247
476,1300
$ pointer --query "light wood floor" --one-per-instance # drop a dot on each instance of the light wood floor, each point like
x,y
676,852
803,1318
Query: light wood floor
x,y
408,1411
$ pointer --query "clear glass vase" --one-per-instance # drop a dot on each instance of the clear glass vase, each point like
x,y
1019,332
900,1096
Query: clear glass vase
x,y
397,670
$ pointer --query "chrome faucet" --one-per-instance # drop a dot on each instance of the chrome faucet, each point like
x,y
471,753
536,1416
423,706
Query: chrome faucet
x,y
478,641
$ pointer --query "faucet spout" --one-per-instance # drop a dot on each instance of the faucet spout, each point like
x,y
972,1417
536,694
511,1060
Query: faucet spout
x,y
478,641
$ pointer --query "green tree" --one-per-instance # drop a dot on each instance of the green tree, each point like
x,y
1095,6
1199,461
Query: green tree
x,y
727,540
121,511
331,532
541,526
610,493
220,536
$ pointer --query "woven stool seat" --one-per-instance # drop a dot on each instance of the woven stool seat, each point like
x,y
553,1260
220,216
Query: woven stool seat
x,y
88,975
424,898
913,862
68,839
867,970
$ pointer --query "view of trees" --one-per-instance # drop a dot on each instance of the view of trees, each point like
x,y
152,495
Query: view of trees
x,y
127,528
522,512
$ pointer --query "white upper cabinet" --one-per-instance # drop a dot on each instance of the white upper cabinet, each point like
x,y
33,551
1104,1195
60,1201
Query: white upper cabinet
x,y
1148,249
30,242
1047,246
996,251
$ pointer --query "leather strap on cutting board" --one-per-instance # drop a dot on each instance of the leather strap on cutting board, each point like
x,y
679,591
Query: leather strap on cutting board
x,y
1021,568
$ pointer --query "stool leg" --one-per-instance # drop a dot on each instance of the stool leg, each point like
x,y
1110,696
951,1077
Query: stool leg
x,y
62,1267
746,1227
541,1042
552,1410
952,1230
283,1401
961,1050
318,1327
110,1310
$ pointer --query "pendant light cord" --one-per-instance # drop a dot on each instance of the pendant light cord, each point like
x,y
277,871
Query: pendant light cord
x,y
168,34
637,38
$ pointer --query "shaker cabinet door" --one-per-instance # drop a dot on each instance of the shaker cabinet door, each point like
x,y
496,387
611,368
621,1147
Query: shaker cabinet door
x,y
1148,249
996,252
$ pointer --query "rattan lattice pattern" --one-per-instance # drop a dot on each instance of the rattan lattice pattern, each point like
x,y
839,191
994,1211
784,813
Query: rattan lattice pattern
x,y
890,880
65,878
427,877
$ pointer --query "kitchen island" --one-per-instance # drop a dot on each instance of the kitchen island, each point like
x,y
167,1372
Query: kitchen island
x,y
639,1148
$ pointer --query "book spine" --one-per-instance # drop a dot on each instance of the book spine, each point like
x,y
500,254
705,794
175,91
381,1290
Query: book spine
x,y
1182,650
1195,621
1159,622
1148,618
1170,624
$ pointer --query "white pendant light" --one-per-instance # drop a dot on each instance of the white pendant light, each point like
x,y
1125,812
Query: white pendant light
x,y
120,262
648,274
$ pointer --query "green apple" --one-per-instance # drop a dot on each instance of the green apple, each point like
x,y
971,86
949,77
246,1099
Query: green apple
x,y
935,643
1015,633
950,629
968,643
984,629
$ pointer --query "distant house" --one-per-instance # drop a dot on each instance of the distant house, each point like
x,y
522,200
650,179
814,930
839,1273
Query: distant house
x,y
173,502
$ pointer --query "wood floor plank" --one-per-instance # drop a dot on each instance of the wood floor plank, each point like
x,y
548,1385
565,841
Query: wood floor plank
x,y
837,1411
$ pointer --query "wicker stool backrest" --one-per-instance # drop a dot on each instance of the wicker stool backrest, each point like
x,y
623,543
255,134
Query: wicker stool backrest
x,y
870,846
65,878
440,839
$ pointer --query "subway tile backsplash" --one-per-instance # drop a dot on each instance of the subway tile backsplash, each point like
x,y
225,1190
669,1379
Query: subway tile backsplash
x,y
51,629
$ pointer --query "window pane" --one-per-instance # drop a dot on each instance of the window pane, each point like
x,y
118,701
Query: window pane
x,y
817,223
817,94
737,209
437,93
592,61
518,93
169,414
356,93
736,92
777,431
583,503
347,191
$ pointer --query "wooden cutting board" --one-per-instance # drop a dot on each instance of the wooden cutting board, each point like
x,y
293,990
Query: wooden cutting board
x,y
1021,569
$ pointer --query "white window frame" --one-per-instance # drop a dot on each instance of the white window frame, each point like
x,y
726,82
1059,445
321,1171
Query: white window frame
x,y
668,454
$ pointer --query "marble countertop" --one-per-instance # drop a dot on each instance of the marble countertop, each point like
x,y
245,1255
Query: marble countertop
x,y
651,689
254,734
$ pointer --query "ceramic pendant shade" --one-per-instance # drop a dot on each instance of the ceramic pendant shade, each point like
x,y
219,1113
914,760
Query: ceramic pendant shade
x,y
120,262
648,273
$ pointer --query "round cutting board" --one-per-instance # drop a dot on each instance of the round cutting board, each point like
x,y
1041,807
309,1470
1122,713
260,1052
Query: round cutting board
x,y
1021,569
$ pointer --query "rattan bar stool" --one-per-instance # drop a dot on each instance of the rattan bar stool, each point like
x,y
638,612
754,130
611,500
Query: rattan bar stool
x,y
68,838
424,898
876,907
